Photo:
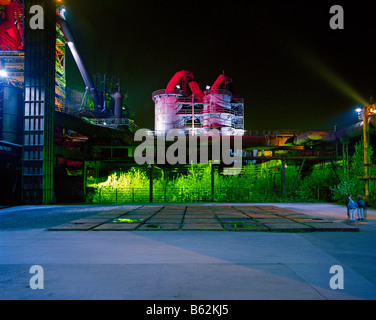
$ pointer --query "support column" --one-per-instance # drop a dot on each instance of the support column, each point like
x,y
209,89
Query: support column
x,y
366,149
345,157
37,171
151,167
283,179
297,177
212,180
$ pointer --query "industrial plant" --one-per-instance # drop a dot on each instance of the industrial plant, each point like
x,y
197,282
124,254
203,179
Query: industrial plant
x,y
198,111
57,144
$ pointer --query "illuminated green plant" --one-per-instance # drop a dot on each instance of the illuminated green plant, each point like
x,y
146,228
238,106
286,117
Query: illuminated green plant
x,y
121,187
254,184
349,183
315,185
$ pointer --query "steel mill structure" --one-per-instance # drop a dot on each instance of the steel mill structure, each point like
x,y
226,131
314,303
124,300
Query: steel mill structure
x,y
56,142
41,120
183,105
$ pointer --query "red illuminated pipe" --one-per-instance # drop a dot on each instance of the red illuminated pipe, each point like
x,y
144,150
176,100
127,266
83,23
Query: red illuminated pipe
x,y
247,141
180,75
196,90
185,77
218,82
212,106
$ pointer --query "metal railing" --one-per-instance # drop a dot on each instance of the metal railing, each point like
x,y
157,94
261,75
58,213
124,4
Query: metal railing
x,y
211,110
73,110
270,132
114,122
186,99
166,92
142,195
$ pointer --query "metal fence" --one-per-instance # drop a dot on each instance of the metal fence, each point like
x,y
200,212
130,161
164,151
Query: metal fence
x,y
143,195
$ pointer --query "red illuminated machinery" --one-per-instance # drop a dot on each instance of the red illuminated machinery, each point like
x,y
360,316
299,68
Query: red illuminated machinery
x,y
197,112
217,111
169,101
11,15
180,80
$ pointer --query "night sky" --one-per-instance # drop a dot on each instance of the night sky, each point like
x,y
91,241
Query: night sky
x,y
292,69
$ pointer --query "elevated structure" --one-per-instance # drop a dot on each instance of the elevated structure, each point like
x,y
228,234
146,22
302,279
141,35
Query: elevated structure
x,y
69,39
183,105
12,71
11,25
11,98
39,105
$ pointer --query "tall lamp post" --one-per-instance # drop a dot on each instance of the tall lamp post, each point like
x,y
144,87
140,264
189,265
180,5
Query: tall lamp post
x,y
368,110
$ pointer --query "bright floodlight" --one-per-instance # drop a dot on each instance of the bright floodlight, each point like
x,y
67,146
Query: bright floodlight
x,y
62,11
358,110
3,74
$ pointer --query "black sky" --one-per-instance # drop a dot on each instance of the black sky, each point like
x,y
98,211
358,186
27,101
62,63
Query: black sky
x,y
266,47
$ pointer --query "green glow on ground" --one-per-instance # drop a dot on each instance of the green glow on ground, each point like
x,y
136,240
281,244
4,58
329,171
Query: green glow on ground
x,y
126,220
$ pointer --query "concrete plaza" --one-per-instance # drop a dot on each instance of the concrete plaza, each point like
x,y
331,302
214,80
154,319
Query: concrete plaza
x,y
186,252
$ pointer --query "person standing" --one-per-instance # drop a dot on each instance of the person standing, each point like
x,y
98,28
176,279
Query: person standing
x,y
352,205
360,210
